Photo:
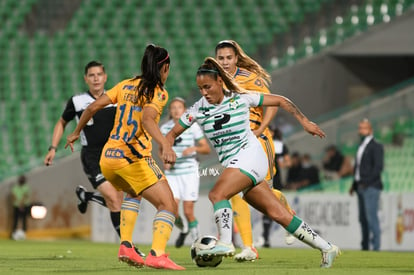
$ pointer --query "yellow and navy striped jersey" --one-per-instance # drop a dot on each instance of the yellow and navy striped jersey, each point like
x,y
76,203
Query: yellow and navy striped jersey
x,y
128,140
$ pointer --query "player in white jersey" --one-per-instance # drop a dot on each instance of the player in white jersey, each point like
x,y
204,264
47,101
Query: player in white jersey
x,y
183,176
223,115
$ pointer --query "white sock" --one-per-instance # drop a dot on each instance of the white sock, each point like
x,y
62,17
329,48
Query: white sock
x,y
223,216
306,234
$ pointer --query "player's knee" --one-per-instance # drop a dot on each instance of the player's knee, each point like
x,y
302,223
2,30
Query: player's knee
x,y
216,196
113,203
170,206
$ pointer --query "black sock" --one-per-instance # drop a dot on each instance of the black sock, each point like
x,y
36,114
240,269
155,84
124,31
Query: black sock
x,y
267,223
116,222
91,196
127,244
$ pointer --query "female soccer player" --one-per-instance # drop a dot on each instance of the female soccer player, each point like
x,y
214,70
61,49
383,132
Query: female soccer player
x,y
224,117
249,75
126,159
183,177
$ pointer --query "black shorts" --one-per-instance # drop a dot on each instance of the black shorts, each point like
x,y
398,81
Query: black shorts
x,y
90,163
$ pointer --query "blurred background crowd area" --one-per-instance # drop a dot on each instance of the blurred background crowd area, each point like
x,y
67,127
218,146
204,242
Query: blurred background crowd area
x,y
338,60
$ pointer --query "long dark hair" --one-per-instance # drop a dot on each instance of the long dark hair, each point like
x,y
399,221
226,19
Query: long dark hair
x,y
152,61
213,68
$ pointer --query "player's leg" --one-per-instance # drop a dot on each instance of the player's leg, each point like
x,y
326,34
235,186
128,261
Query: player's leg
x,y
188,207
113,200
264,200
176,189
159,194
90,164
289,238
128,214
108,195
230,182
241,208
190,192
242,218
144,177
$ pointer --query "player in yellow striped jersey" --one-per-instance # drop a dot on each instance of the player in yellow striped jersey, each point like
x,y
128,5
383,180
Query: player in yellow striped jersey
x,y
126,159
250,76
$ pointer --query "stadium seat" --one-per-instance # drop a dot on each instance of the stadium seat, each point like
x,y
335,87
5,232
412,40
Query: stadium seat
x,y
115,32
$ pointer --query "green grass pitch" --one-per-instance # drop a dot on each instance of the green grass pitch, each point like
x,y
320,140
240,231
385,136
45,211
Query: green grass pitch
x,y
84,257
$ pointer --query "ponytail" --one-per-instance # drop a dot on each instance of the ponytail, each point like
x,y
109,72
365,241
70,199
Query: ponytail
x,y
152,61
212,67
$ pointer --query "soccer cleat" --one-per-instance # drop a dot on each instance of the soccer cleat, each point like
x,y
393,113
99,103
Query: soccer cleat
x,y
329,256
82,203
180,240
139,252
127,254
220,249
247,254
161,262
289,238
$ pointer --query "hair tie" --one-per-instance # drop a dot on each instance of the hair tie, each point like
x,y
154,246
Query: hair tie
x,y
159,62
207,71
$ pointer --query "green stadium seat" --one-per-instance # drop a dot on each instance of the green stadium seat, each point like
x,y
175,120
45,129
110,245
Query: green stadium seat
x,y
404,125
116,32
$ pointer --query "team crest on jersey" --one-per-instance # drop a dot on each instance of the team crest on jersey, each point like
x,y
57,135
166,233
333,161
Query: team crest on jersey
x,y
161,96
233,104
258,83
189,117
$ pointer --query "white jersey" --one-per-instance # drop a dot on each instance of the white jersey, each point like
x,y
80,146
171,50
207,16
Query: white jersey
x,y
184,164
227,124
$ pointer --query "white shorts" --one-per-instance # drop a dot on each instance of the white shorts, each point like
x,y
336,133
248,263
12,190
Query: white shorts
x,y
185,187
251,161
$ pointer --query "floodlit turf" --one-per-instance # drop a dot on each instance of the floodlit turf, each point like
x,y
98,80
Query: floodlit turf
x,y
83,257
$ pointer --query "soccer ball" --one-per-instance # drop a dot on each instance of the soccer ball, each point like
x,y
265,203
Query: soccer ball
x,y
202,243
18,235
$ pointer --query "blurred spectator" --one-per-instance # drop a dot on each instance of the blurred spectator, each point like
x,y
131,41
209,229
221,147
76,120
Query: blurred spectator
x,y
308,174
335,164
21,203
282,158
294,171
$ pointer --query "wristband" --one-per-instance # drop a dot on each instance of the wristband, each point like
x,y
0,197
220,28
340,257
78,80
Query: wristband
x,y
52,147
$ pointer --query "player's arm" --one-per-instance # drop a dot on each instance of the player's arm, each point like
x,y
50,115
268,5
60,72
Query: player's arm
x,y
290,107
97,105
258,84
268,116
149,116
57,135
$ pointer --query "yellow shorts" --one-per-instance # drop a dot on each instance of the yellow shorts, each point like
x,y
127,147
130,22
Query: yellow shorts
x,y
269,148
135,177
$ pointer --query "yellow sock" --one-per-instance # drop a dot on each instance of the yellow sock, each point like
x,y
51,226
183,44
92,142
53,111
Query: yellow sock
x,y
281,197
242,218
161,231
129,214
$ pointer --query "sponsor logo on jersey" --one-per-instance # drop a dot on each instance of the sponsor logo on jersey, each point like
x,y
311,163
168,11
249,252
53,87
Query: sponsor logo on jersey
x,y
128,87
223,140
114,153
